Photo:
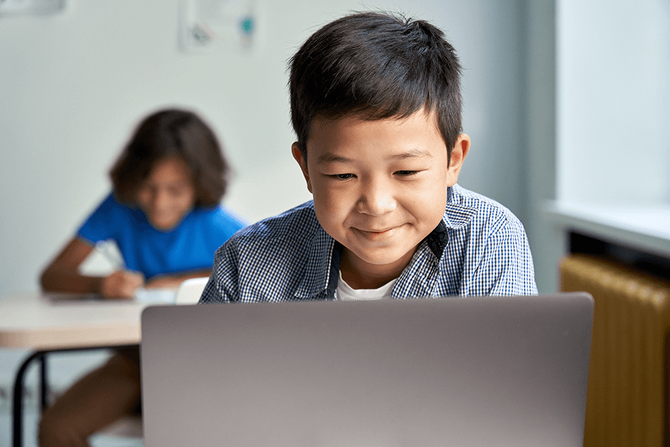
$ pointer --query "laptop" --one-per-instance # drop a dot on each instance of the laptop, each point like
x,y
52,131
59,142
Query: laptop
x,y
479,371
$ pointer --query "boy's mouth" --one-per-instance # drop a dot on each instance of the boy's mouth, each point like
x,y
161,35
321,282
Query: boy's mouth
x,y
378,231
375,234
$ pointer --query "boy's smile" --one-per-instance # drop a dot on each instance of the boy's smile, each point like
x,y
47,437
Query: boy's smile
x,y
379,187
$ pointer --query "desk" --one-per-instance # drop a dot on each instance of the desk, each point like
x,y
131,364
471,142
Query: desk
x,y
640,227
37,321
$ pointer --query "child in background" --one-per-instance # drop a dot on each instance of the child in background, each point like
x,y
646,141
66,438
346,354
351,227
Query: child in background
x,y
165,216
376,106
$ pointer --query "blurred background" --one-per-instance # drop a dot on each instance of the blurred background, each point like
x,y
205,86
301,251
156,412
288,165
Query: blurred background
x,y
74,83
565,100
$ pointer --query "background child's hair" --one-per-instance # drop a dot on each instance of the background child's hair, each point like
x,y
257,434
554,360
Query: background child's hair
x,y
170,133
376,66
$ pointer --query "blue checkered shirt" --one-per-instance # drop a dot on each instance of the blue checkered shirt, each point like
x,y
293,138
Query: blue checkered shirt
x,y
479,248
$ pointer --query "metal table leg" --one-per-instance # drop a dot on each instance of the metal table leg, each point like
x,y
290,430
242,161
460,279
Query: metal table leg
x,y
17,412
17,398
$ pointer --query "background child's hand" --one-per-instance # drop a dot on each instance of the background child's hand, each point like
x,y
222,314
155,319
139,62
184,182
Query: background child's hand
x,y
121,284
164,282
174,281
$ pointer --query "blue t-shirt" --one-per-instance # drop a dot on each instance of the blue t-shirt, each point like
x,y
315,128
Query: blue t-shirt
x,y
189,246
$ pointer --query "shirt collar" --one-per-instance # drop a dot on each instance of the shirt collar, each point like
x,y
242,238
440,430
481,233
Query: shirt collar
x,y
457,214
319,279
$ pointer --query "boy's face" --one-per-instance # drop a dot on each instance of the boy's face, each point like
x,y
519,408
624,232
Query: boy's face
x,y
167,194
379,187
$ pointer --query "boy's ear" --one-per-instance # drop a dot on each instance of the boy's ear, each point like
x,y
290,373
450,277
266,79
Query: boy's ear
x,y
458,154
297,154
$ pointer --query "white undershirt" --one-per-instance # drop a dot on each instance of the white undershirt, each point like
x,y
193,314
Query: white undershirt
x,y
346,293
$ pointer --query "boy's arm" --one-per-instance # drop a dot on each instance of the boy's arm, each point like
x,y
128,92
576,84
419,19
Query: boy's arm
x,y
506,267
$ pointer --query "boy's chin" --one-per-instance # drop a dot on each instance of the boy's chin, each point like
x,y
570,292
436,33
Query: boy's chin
x,y
164,225
380,260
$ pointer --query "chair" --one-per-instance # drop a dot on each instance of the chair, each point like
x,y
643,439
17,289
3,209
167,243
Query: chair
x,y
130,427
190,290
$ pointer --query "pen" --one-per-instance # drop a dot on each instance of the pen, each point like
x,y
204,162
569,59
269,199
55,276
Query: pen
x,y
113,256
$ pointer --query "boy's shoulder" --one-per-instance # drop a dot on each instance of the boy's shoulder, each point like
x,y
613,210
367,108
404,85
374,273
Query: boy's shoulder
x,y
297,222
294,234
465,207
110,213
288,255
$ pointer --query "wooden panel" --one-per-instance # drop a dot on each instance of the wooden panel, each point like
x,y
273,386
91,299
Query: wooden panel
x,y
627,395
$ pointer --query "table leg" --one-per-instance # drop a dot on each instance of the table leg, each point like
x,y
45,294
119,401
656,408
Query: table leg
x,y
44,384
17,414
17,398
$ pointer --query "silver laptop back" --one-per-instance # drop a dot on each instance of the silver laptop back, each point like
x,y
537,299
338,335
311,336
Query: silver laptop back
x,y
480,371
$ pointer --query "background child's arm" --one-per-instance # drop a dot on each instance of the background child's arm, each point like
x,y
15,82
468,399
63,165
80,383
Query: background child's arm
x,y
62,275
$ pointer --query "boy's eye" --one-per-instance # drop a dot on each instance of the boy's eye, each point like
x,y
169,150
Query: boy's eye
x,y
146,188
406,173
342,176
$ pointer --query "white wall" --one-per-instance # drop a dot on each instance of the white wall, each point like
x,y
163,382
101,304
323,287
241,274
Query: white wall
x,y
614,101
73,85
540,126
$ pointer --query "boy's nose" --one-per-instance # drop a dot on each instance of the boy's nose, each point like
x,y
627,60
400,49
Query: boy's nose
x,y
160,200
376,199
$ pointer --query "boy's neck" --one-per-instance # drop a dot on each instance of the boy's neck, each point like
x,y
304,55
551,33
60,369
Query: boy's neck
x,y
359,274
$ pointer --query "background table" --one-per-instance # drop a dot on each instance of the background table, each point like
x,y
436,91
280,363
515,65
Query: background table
x,y
51,322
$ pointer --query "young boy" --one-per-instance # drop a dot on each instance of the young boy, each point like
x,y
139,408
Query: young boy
x,y
376,106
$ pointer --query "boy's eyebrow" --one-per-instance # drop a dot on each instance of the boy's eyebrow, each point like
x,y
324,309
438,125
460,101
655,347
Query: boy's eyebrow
x,y
332,158
414,153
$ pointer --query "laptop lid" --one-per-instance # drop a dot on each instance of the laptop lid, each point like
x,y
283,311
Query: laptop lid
x,y
504,371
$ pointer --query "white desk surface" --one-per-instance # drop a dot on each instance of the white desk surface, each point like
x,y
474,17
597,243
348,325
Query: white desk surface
x,y
33,320
638,226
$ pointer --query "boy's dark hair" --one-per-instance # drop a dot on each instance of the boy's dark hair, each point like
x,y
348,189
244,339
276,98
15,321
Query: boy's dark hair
x,y
376,66
172,133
